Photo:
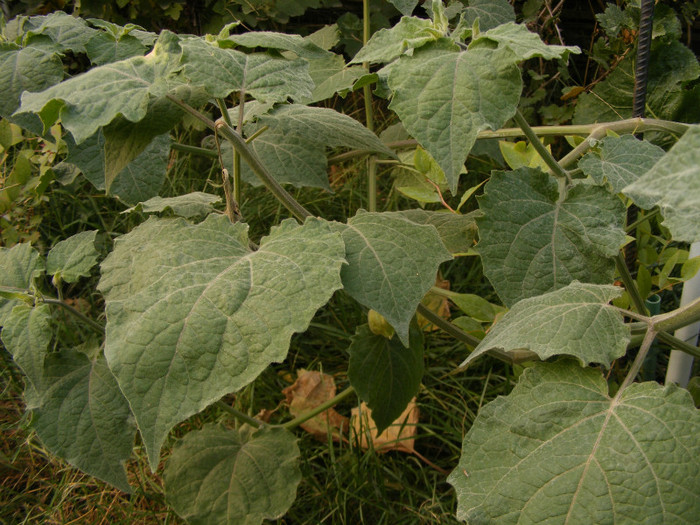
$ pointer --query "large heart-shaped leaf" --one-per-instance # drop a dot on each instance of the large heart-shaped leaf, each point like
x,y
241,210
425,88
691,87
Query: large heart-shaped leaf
x,y
392,263
522,42
575,320
620,161
224,477
673,184
84,417
385,375
558,449
532,242
445,99
193,314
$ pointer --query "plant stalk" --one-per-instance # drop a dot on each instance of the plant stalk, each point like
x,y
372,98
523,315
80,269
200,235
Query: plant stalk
x,y
289,425
94,325
242,416
369,115
630,284
638,362
540,148
678,318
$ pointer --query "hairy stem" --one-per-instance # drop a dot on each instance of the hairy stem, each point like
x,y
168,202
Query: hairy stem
x,y
241,416
630,284
289,425
94,325
539,147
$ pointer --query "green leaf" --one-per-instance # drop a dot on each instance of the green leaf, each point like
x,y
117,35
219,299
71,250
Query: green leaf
x,y
491,13
69,33
392,263
532,242
575,320
222,477
324,126
620,161
193,204
474,306
18,267
384,374
86,102
27,69
193,314
558,449
105,48
73,258
27,334
673,184
457,232
522,154
84,418
405,7
330,76
389,44
294,43
445,99
266,78
523,43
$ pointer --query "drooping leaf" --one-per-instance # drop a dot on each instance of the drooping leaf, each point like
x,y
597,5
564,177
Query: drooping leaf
x,y
444,99
222,477
26,334
324,126
86,102
285,42
223,71
673,184
326,37
68,33
559,449
458,232
389,44
399,435
620,161
330,76
18,266
491,13
25,69
84,417
532,242
73,258
189,205
575,320
193,314
392,263
523,43
384,373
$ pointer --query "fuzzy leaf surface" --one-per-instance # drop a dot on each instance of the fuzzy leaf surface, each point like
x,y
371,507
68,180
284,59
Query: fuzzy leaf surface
x,y
93,99
105,48
223,477
73,257
620,161
189,205
673,184
282,41
558,449
575,320
389,44
18,266
193,314
25,69
522,42
405,7
392,264
26,334
84,418
445,99
531,242
491,13
223,71
68,33
324,126
385,374
331,76
458,232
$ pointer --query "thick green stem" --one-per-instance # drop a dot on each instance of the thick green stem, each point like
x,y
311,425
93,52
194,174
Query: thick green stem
x,y
195,150
630,284
242,416
448,327
94,325
638,362
289,425
369,115
678,318
539,147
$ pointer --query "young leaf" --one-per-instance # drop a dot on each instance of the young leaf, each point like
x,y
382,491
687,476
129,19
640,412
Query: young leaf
x,y
532,242
522,42
189,205
27,334
576,320
193,314
558,449
620,161
222,477
18,266
84,417
73,258
673,184
222,71
384,373
93,99
445,99
392,264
